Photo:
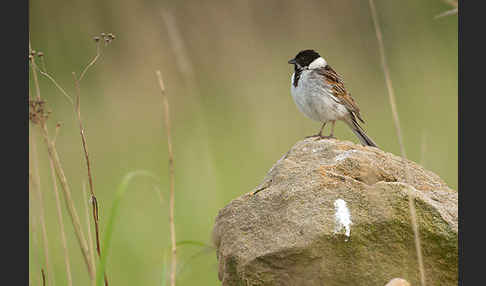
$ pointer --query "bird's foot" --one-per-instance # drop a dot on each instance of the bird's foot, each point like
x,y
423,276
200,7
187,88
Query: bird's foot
x,y
320,137
317,136
328,137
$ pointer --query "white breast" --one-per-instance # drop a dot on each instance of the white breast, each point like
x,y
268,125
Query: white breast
x,y
314,98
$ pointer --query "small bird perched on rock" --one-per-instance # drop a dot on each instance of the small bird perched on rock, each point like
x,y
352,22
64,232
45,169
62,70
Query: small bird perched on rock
x,y
319,93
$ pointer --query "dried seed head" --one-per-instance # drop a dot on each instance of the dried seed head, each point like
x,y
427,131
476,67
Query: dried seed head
x,y
37,112
96,39
103,35
30,57
32,52
40,54
111,36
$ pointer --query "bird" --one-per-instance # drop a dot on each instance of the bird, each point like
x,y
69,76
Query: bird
x,y
319,92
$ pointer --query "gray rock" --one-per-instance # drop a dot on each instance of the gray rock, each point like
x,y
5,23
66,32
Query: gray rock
x,y
293,231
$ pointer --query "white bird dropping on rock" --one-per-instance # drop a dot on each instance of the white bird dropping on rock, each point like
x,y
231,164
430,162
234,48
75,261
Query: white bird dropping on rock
x,y
342,217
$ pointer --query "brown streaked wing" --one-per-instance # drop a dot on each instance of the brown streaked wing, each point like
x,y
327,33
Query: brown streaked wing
x,y
332,78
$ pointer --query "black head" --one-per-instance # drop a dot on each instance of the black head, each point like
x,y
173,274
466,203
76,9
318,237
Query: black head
x,y
304,58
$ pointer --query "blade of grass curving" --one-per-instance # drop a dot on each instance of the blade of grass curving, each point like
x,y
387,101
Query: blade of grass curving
x,y
205,250
122,188
181,264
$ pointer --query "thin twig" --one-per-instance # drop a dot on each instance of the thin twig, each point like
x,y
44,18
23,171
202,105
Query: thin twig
x,y
43,277
453,11
43,63
94,202
86,156
165,102
90,240
61,223
54,82
34,74
447,13
98,54
396,120
44,73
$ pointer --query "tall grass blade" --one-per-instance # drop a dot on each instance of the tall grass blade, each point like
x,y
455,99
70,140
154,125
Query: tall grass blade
x,y
122,188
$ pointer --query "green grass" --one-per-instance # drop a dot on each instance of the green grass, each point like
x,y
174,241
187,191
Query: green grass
x,y
108,232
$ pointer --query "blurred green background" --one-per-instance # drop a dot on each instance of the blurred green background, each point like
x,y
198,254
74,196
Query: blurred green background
x,y
225,69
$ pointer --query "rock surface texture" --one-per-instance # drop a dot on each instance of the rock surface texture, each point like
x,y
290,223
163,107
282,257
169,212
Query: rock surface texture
x,y
331,212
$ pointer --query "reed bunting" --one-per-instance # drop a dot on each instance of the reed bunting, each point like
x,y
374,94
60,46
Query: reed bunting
x,y
319,93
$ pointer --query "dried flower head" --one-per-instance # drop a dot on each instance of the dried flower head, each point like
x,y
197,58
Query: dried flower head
x,y
37,112
40,54
96,39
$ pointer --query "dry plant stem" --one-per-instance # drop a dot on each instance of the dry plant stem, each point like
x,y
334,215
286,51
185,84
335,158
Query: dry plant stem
x,y
44,73
90,240
37,186
88,165
51,149
54,82
411,197
171,176
43,277
43,64
447,13
61,225
34,74
68,199
93,61
34,238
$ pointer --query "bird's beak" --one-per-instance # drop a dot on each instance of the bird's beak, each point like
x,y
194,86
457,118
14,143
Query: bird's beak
x,y
292,62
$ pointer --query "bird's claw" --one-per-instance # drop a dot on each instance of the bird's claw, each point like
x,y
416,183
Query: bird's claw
x,y
320,137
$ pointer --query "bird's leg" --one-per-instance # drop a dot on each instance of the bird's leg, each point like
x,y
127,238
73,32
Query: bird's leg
x,y
331,136
319,135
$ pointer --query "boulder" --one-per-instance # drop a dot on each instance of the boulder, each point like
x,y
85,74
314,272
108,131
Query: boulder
x,y
331,212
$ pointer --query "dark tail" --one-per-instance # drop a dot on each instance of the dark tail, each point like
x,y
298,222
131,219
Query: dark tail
x,y
359,132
